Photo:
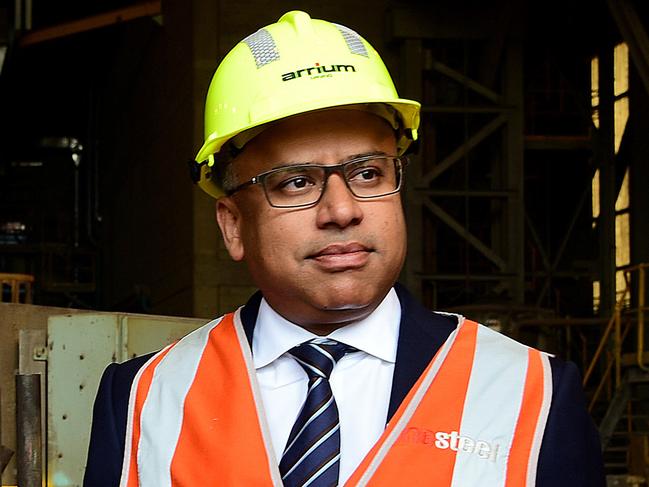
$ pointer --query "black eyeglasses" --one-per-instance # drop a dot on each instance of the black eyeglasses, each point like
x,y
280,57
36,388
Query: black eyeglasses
x,y
304,184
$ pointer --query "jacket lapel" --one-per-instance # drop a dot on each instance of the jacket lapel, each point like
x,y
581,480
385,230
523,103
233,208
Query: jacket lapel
x,y
249,315
421,334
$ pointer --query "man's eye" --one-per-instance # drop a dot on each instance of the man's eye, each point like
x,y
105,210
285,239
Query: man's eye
x,y
365,174
298,183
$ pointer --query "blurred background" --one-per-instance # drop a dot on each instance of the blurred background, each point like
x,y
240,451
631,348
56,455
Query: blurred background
x,y
527,201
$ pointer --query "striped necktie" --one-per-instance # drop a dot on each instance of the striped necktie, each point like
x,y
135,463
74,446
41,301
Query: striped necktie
x,y
312,453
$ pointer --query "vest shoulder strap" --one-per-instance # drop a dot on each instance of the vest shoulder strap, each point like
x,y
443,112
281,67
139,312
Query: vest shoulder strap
x,y
199,389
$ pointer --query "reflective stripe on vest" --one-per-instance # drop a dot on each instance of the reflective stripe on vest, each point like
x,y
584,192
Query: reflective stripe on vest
x,y
193,419
475,417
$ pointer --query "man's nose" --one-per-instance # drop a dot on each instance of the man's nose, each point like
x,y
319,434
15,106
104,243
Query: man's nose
x,y
338,206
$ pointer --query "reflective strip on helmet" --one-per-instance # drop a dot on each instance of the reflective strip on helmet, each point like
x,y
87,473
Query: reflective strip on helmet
x,y
262,46
353,40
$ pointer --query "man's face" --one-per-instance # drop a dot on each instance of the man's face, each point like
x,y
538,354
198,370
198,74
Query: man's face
x,y
325,265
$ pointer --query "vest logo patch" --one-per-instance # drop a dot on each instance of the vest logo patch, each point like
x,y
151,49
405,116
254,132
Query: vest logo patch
x,y
452,440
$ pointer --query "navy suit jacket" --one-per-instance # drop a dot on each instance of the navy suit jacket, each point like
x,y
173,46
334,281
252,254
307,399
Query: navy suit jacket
x,y
570,452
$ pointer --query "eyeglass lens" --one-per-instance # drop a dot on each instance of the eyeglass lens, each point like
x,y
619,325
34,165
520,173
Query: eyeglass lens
x,y
303,184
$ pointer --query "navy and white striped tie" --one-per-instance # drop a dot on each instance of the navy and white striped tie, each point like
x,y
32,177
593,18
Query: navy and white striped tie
x,y
312,453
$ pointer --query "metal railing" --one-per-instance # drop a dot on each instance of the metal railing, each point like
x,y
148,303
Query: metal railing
x,y
619,333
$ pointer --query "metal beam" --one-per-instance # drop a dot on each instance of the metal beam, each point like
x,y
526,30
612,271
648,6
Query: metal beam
x,y
411,86
634,34
466,193
558,142
464,232
566,274
459,109
442,21
465,277
147,9
466,81
465,148
514,223
607,193
562,247
537,241
29,458
639,128
500,106
616,408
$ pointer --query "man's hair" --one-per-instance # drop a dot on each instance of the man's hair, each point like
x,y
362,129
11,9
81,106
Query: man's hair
x,y
228,180
224,173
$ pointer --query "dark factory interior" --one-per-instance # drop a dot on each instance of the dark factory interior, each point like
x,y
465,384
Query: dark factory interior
x,y
524,197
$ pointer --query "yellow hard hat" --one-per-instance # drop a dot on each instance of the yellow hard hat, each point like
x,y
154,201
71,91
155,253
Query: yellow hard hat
x,y
293,66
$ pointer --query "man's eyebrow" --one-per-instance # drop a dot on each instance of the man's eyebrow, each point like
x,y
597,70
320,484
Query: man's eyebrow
x,y
346,159
365,154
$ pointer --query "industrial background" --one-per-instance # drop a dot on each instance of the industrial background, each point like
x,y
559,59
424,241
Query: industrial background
x,y
527,199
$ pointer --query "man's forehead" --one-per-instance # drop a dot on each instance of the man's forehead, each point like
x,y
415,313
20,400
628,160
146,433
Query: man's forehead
x,y
325,136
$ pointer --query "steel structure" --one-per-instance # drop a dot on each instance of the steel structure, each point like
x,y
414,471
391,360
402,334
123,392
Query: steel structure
x,y
468,117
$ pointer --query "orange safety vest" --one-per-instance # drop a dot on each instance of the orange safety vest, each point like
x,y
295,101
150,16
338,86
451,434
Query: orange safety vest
x,y
476,416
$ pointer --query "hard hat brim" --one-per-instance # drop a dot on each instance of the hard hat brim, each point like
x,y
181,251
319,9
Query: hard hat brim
x,y
408,112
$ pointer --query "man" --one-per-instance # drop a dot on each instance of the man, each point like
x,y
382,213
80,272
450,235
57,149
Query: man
x,y
332,373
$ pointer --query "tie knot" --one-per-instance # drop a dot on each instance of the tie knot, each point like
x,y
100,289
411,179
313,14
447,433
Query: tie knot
x,y
318,357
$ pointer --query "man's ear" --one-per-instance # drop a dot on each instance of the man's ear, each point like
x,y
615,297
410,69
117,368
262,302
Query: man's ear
x,y
229,219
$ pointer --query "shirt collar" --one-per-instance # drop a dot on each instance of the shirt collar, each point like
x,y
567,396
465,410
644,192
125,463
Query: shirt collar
x,y
377,334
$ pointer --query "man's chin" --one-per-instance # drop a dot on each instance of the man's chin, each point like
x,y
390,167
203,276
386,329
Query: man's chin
x,y
349,292
332,304
327,318
346,308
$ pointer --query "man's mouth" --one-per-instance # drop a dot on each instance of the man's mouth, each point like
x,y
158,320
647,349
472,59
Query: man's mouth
x,y
342,256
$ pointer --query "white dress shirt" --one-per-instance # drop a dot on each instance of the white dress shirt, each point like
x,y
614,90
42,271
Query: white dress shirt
x,y
361,381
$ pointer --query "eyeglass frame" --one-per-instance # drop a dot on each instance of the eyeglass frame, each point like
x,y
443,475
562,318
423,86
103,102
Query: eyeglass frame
x,y
401,163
